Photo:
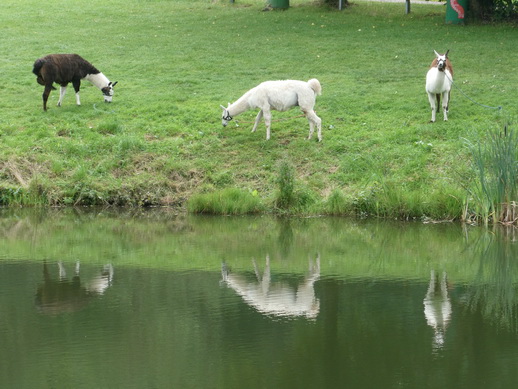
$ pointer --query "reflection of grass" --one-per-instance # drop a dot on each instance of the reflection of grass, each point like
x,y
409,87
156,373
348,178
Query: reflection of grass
x,y
158,238
494,194
494,291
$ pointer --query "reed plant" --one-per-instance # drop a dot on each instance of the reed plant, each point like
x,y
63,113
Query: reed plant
x,y
493,194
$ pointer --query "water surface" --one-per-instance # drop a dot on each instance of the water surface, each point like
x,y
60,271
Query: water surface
x,y
152,299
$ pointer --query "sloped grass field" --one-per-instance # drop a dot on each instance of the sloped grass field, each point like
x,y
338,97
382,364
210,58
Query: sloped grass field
x,y
161,141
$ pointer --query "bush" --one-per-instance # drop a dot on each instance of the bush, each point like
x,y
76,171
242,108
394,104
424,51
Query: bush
x,y
494,9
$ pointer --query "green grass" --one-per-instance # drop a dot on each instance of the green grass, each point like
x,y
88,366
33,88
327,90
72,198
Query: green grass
x,y
228,201
161,141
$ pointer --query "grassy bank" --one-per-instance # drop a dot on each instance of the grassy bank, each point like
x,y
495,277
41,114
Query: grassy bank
x,y
161,142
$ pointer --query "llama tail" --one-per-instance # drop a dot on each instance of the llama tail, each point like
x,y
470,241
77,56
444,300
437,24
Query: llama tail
x,y
315,85
38,64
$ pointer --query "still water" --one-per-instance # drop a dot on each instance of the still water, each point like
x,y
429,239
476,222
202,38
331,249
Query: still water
x,y
153,299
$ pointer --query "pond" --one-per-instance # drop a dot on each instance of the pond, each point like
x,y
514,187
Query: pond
x,y
156,299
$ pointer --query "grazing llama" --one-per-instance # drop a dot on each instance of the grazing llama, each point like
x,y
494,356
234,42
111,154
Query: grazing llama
x,y
279,96
439,80
64,68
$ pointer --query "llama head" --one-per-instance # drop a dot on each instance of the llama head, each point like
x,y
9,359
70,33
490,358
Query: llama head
x,y
108,92
441,60
225,117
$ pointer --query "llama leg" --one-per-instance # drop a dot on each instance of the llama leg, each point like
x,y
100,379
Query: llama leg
x,y
313,120
62,91
46,93
268,121
257,120
77,85
431,98
445,102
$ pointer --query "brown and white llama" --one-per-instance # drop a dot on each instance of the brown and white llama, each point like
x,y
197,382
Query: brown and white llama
x,y
64,68
279,96
439,80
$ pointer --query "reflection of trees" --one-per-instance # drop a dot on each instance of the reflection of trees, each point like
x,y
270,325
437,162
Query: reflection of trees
x,y
494,290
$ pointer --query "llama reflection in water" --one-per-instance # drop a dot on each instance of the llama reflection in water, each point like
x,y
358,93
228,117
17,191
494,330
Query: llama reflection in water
x,y
277,298
63,295
437,307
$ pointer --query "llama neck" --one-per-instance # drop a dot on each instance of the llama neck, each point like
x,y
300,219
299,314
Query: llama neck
x,y
239,106
99,80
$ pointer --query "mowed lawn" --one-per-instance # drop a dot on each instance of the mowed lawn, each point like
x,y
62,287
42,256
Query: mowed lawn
x,y
161,140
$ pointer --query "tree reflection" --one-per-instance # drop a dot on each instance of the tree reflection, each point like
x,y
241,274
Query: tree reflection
x,y
63,295
277,298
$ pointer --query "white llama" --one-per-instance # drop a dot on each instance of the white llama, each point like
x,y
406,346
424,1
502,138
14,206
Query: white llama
x,y
439,80
279,96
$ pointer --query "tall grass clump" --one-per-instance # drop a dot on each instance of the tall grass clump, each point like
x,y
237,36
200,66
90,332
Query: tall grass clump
x,y
389,200
290,196
230,201
493,196
285,197
337,204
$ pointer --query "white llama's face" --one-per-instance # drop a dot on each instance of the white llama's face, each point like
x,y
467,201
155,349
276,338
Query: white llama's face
x,y
225,116
441,60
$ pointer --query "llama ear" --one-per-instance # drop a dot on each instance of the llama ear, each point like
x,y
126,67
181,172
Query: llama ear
x,y
222,107
115,83
436,53
447,51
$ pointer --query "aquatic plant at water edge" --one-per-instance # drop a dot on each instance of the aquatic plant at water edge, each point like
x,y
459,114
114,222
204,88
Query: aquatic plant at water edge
x,y
493,195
